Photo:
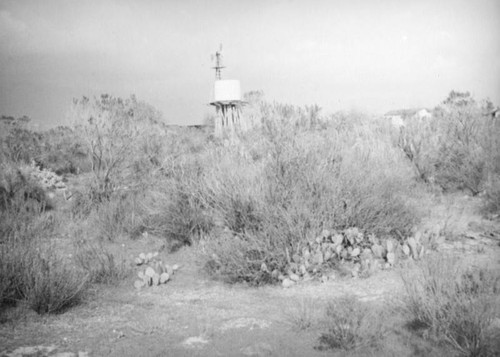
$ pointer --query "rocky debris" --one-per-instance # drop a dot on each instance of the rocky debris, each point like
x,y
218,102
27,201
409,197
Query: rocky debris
x,y
244,322
195,342
257,350
155,272
42,351
45,178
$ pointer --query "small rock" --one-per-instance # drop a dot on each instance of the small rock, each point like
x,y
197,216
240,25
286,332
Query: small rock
x,y
257,350
31,351
324,278
294,277
287,283
195,342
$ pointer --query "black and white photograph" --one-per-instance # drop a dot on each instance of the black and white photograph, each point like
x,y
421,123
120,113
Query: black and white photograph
x,y
249,178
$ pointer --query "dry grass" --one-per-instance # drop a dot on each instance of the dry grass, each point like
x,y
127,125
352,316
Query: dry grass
x,y
454,305
305,313
352,325
99,264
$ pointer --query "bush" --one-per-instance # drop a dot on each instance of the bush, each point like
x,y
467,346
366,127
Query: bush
x,y
174,213
63,152
20,145
29,269
240,258
49,285
352,325
304,313
455,305
18,192
302,183
99,264
457,148
10,269
492,196
120,215
121,139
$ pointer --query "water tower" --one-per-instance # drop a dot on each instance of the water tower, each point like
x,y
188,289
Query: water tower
x,y
226,100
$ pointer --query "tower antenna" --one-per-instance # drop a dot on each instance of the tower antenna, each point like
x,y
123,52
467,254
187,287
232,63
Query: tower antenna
x,y
218,63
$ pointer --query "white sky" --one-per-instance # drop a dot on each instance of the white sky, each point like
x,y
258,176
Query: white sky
x,y
373,55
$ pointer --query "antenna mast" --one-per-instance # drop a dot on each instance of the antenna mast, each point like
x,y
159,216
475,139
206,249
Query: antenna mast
x,y
218,63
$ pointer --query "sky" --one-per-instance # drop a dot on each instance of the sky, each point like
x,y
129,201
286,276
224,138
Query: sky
x,y
371,55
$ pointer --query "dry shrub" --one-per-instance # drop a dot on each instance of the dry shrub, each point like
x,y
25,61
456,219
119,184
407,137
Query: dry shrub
x,y
455,305
100,265
30,268
20,144
119,216
492,196
50,285
302,182
122,139
175,215
352,325
304,313
458,147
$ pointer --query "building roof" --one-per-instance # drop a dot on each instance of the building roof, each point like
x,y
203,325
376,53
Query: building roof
x,y
405,112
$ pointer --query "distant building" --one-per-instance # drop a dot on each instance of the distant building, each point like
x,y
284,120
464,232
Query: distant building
x,y
398,117
494,114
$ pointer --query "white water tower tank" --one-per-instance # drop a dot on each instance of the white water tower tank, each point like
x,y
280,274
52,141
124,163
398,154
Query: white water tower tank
x,y
227,90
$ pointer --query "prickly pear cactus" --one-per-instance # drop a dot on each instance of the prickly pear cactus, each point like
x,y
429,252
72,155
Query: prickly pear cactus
x,y
154,272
